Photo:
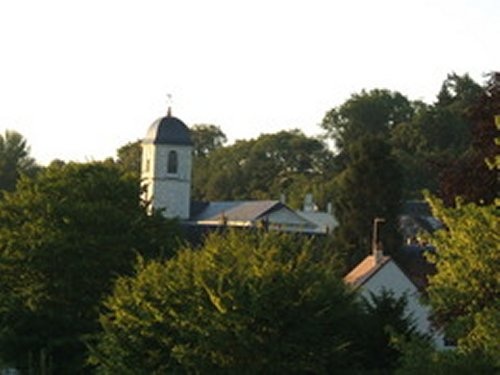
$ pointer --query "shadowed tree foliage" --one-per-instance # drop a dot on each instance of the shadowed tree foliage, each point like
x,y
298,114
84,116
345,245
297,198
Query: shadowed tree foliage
x,y
14,160
419,357
448,128
409,146
64,237
474,176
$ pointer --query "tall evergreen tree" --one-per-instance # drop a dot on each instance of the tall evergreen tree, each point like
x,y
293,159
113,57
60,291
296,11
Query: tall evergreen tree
x,y
370,187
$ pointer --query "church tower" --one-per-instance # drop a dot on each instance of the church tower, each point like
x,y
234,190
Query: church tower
x,y
166,166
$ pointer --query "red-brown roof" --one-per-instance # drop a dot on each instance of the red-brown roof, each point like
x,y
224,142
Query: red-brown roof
x,y
365,270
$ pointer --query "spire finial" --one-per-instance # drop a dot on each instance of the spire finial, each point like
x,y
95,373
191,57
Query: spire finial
x,y
169,105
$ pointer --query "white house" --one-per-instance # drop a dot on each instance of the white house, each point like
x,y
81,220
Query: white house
x,y
378,272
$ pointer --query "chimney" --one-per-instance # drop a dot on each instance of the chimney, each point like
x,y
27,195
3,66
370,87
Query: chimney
x,y
378,254
308,203
377,247
283,198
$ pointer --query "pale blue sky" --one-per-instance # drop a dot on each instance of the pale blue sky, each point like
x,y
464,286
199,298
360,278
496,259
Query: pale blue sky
x,y
80,78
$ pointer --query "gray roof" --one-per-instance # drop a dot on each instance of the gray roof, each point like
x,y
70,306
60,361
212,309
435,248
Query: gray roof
x,y
416,208
323,220
421,214
237,210
168,130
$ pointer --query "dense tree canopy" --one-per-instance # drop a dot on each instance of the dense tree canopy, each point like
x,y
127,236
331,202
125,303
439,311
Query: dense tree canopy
x,y
425,138
64,237
242,303
14,160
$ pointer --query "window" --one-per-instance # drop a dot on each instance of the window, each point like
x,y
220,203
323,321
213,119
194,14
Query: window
x,y
148,165
172,162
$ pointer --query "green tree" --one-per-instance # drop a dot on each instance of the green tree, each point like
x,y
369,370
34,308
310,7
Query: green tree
x,y
129,158
14,160
207,138
460,91
287,162
220,176
386,319
369,187
373,112
245,302
464,293
436,135
419,168
419,357
64,237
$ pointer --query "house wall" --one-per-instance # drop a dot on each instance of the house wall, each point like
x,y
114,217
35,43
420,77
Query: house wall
x,y
287,220
390,277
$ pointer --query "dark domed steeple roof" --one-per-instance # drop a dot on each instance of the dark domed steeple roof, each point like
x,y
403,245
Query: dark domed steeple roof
x,y
168,130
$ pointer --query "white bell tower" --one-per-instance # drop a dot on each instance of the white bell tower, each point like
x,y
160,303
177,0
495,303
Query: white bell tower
x,y
166,167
